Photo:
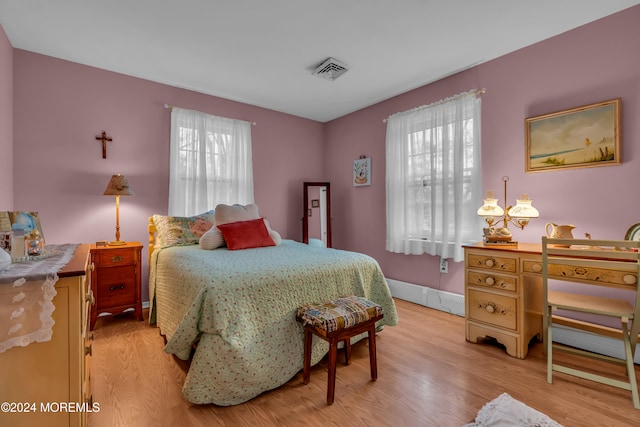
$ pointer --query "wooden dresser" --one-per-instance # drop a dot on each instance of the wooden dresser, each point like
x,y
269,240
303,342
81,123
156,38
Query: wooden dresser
x,y
503,295
55,372
116,281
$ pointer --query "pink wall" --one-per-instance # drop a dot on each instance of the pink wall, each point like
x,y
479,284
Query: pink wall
x,y
597,62
6,123
59,108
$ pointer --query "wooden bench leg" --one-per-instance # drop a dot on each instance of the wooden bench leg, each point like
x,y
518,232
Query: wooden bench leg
x,y
372,353
306,370
331,387
347,351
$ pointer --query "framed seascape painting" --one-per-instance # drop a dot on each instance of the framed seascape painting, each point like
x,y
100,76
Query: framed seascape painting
x,y
581,137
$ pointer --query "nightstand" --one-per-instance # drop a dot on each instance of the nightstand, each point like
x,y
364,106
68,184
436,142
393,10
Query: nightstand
x,y
116,280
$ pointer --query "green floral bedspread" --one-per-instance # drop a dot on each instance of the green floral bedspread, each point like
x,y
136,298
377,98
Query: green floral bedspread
x,y
240,306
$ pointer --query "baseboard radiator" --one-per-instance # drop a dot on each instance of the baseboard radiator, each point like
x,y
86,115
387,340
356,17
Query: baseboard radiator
x,y
429,297
454,304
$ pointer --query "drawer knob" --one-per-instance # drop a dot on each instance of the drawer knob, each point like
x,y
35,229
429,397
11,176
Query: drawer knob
x,y
490,308
629,279
537,268
489,262
490,281
91,298
116,287
117,258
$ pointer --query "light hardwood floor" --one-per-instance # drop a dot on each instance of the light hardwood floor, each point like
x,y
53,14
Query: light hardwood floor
x,y
428,375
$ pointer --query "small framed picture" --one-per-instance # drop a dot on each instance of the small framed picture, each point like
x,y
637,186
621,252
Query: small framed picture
x,y
315,203
362,172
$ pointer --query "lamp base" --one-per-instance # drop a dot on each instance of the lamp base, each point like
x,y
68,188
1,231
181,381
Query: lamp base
x,y
500,243
117,243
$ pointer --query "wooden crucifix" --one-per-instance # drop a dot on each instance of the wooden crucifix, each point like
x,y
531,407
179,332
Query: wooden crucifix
x,y
104,138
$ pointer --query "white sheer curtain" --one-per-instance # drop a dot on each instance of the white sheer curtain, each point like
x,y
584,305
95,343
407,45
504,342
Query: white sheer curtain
x,y
433,178
210,162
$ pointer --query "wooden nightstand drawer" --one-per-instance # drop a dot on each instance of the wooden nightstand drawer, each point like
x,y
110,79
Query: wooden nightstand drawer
x,y
490,262
115,258
493,281
494,309
116,287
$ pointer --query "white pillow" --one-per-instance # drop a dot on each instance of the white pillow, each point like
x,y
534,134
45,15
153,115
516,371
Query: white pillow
x,y
212,239
275,236
226,214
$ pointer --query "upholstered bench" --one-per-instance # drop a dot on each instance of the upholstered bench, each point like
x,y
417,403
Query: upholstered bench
x,y
336,321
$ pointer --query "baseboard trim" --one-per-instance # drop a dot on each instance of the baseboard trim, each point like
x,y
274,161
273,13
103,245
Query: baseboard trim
x,y
454,303
429,297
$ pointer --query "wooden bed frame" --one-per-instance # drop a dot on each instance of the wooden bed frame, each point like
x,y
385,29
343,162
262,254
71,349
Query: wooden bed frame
x,y
151,228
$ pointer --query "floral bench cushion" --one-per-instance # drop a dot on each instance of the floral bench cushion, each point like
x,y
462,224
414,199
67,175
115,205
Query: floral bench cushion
x,y
338,314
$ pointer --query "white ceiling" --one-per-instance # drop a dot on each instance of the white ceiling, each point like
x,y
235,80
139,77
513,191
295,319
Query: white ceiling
x,y
263,52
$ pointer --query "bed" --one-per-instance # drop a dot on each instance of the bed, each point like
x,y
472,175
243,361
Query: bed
x,y
232,312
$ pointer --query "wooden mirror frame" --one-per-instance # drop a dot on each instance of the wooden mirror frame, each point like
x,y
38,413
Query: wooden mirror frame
x,y
305,217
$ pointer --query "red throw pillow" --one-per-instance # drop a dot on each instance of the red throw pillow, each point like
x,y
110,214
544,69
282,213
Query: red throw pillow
x,y
246,234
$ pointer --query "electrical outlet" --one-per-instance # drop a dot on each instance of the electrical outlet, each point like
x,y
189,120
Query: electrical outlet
x,y
444,265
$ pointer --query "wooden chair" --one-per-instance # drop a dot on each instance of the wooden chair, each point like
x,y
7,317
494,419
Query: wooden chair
x,y
599,264
337,321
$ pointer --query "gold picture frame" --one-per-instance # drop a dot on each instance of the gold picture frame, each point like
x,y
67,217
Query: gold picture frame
x,y
580,137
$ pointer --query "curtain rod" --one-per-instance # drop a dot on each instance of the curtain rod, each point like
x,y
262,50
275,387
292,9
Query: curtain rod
x,y
171,107
460,95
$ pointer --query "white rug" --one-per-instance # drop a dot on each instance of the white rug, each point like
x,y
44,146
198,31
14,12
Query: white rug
x,y
505,411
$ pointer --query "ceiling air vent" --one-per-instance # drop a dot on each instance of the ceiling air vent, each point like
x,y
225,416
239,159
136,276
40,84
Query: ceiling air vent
x,y
330,69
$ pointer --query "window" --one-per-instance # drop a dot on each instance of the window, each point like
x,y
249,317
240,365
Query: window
x,y
210,162
434,178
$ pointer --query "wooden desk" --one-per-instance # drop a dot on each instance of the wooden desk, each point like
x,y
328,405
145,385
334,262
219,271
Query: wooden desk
x,y
503,294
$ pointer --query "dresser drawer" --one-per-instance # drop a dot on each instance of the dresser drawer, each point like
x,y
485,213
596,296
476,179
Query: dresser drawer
x,y
498,310
115,257
116,287
532,266
620,278
494,263
493,281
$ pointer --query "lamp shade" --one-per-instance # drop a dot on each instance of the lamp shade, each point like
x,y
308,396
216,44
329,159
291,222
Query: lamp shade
x,y
118,186
523,209
490,207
